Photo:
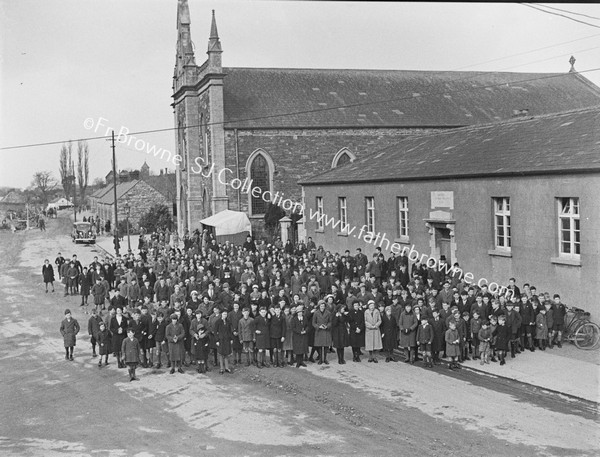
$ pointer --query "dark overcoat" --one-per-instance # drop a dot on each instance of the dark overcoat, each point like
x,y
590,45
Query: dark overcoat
x,y
339,330
322,336
176,348
389,332
69,329
130,350
356,319
117,338
263,339
408,324
502,334
103,338
300,339
224,336
48,273
439,329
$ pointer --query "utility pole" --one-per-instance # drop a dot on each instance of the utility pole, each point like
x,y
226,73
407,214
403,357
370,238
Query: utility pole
x,y
114,167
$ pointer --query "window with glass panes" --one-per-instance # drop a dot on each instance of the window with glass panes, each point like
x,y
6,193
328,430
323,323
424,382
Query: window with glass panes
x,y
343,214
259,174
320,225
403,217
370,214
502,223
569,233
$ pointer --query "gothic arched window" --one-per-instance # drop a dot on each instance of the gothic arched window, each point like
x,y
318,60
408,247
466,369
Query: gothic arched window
x,y
342,157
259,169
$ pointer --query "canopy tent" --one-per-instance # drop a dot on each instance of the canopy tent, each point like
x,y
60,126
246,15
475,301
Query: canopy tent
x,y
229,225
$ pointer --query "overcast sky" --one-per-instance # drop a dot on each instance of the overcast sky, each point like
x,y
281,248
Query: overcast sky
x,y
63,61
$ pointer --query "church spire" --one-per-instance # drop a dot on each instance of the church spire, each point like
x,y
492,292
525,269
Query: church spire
x,y
214,44
214,48
185,48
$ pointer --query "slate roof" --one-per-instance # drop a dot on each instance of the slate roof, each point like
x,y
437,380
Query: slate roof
x,y
557,143
101,192
166,184
122,189
256,97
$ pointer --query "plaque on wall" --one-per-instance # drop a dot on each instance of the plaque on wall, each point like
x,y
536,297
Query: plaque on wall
x,y
442,199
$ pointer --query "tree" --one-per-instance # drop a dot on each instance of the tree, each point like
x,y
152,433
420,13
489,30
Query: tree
x,y
157,217
272,216
83,169
67,169
43,183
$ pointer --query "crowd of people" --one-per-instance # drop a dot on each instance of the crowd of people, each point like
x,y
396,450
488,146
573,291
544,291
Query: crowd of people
x,y
275,305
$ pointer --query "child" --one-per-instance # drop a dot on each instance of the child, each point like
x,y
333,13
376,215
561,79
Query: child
x,y
104,343
439,330
93,328
502,334
541,328
201,347
484,337
69,328
493,327
425,339
465,336
160,340
130,349
246,329
175,334
452,344
474,332
150,348
549,322
85,284
99,293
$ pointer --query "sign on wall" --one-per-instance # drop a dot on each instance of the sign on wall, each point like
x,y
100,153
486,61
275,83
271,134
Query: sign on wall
x,y
442,199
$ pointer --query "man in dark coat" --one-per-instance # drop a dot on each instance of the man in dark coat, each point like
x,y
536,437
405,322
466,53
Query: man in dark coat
x,y
48,274
277,330
339,331
438,344
224,341
502,334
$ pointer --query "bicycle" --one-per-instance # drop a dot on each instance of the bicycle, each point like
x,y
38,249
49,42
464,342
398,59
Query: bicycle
x,y
580,330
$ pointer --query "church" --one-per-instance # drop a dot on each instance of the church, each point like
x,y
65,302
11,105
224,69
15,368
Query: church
x,y
275,127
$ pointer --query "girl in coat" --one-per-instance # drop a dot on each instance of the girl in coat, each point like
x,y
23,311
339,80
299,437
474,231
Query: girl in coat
x,y
339,331
104,344
69,328
356,319
321,322
408,333
48,274
541,328
174,334
389,336
452,339
300,326
372,332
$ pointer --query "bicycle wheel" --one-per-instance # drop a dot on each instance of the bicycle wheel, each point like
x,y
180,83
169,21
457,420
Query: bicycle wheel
x,y
587,336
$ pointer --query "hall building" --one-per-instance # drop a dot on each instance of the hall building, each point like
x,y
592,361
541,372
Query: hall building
x,y
276,126
516,198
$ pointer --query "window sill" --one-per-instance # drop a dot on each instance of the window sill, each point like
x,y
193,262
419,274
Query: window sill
x,y
342,234
566,261
319,230
499,253
402,240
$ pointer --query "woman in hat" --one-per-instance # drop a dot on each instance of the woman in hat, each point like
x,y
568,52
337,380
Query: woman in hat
x,y
372,332
48,274
69,328
339,331
356,319
408,324
175,333
321,322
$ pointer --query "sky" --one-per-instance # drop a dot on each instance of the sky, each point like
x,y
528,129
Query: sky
x,y
111,62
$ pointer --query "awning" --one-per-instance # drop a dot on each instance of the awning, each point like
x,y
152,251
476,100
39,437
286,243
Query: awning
x,y
229,222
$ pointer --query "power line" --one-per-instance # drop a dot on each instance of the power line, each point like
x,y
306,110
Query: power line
x,y
528,52
561,15
311,111
579,51
567,11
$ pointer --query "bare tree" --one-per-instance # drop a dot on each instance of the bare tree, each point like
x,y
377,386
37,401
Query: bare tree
x,y
43,183
66,169
83,169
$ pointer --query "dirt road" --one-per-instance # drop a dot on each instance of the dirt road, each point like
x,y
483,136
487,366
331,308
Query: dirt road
x,y
54,407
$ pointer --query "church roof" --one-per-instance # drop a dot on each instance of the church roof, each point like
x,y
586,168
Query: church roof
x,y
122,189
316,98
550,144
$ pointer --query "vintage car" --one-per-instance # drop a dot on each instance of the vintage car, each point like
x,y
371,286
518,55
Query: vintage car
x,y
83,232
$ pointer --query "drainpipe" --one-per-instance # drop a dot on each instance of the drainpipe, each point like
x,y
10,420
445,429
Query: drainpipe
x,y
237,168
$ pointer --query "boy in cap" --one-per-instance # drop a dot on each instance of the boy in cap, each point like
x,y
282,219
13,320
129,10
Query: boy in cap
x,y
502,334
93,328
175,334
484,337
69,328
452,339
424,339
130,349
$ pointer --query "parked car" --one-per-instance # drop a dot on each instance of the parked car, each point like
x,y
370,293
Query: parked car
x,y
83,232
